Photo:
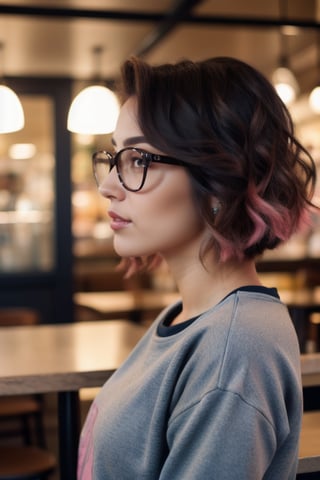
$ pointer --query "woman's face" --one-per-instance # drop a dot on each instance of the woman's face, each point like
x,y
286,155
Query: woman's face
x,y
160,218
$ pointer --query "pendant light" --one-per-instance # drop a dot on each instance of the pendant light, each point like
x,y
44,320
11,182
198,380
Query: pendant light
x,y
314,97
285,84
95,109
283,78
11,111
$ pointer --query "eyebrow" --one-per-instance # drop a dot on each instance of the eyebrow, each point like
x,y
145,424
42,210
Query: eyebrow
x,y
130,140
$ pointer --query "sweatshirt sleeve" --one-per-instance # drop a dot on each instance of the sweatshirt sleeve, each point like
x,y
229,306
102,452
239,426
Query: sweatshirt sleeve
x,y
222,437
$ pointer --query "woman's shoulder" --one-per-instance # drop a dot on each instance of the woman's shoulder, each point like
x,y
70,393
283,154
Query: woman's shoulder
x,y
238,348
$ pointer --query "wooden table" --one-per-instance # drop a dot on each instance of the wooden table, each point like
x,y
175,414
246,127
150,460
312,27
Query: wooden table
x,y
144,299
301,304
302,297
310,369
63,359
66,357
131,304
127,301
135,305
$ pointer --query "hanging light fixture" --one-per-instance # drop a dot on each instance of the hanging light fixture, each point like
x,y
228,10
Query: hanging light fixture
x,y
285,84
95,109
314,97
11,111
283,78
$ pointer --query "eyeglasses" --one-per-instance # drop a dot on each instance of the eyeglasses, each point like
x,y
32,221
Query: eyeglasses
x,y
132,166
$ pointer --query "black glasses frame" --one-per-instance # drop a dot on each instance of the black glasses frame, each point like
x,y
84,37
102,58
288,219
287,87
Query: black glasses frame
x,y
112,160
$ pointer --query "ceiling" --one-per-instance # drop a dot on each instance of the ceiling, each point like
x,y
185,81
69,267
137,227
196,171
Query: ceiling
x,y
56,37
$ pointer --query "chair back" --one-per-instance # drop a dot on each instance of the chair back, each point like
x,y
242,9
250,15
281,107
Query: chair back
x,y
14,316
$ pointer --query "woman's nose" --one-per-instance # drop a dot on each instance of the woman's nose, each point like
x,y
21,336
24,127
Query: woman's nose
x,y
111,186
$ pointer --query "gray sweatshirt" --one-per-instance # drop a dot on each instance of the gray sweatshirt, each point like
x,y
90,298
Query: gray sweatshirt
x,y
218,397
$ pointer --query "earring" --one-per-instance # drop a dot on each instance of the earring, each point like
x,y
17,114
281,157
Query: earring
x,y
215,210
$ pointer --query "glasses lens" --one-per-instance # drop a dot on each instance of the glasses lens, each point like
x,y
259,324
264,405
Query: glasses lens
x,y
132,167
101,166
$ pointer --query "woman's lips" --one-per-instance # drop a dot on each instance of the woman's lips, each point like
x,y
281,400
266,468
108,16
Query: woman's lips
x,y
117,222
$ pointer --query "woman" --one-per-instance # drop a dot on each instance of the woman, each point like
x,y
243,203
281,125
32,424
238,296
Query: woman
x,y
207,175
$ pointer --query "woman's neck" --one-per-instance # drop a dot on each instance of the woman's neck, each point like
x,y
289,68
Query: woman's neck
x,y
201,288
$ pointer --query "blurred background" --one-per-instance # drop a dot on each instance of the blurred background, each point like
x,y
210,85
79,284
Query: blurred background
x,y
56,255
54,234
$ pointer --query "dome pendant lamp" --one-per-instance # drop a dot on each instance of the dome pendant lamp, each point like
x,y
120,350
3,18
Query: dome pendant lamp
x,y
11,111
94,111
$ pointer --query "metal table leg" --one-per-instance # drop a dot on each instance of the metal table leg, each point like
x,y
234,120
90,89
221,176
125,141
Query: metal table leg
x,y
69,431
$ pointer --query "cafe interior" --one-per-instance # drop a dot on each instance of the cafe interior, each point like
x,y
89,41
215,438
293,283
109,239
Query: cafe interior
x,y
57,264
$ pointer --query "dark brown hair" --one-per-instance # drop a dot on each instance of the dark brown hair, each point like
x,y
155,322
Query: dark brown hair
x,y
225,120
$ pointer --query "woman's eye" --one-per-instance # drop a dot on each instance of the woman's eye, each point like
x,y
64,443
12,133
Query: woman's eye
x,y
138,162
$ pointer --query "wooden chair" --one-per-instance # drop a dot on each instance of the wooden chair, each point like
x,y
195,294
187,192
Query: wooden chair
x,y
25,462
309,453
26,410
13,316
22,416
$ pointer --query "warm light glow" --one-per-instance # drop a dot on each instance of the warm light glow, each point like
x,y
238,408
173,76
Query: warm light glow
x,y
94,111
285,85
314,99
285,92
290,30
22,151
11,111
84,139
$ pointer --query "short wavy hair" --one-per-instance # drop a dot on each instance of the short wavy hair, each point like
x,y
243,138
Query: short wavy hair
x,y
225,120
